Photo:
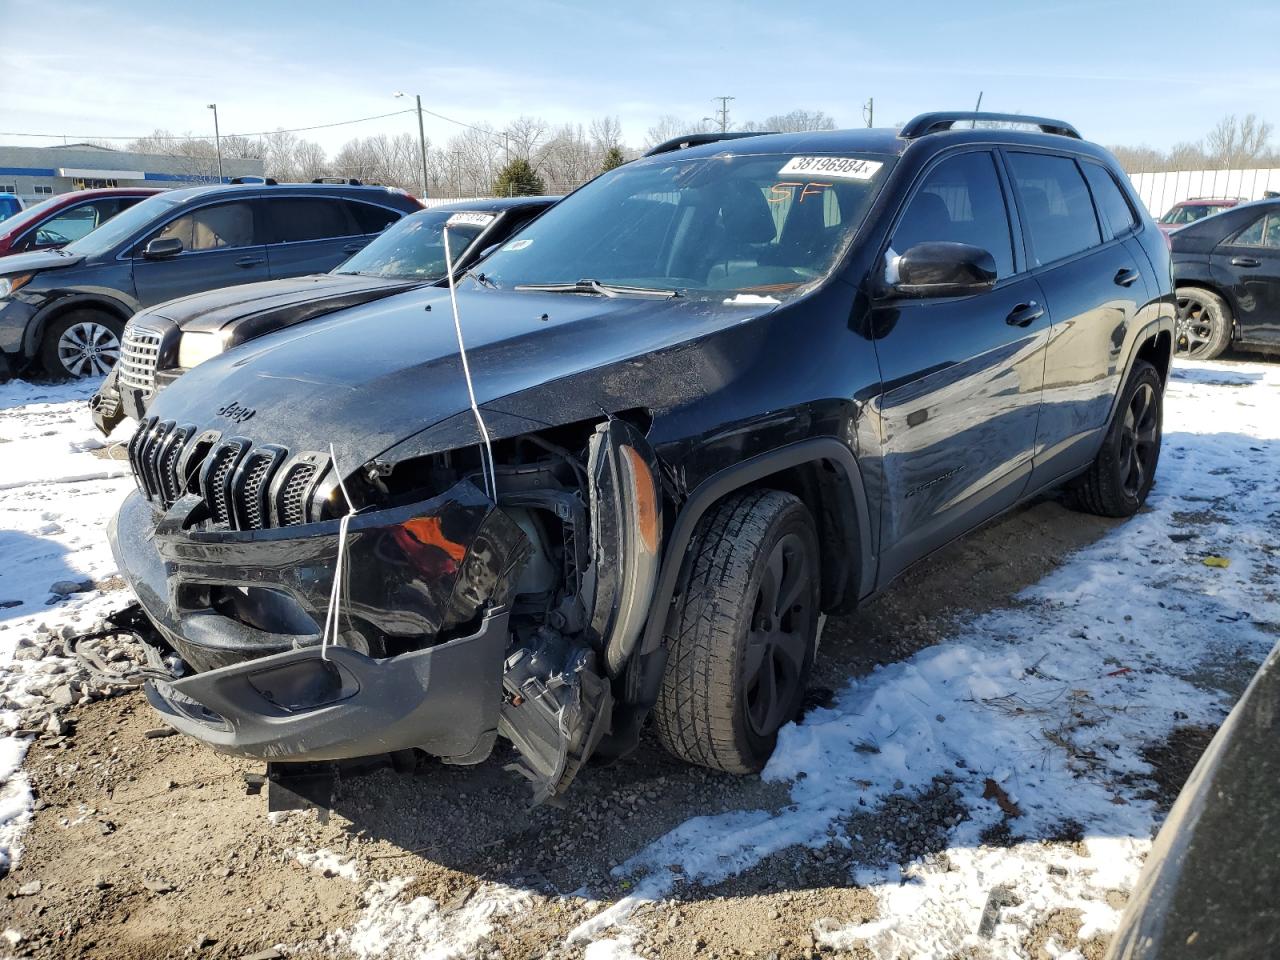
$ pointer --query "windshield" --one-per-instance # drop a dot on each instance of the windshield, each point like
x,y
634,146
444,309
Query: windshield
x,y
121,227
9,207
762,224
1189,213
413,248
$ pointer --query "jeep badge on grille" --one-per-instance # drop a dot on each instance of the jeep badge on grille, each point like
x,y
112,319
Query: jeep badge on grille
x,y
236,413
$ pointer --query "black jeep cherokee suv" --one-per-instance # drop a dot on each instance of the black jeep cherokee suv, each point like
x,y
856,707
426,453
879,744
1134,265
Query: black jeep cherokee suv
x,y
715,392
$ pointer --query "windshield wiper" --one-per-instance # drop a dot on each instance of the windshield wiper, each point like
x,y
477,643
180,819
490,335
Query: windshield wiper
x,y
603,289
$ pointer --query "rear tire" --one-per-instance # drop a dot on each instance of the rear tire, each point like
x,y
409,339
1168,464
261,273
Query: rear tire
x,y
81,343
1204,323
1120,477
745,633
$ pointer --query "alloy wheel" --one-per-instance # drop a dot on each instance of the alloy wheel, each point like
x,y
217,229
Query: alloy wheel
x,y
1139,440
1194,325
778,638
88,348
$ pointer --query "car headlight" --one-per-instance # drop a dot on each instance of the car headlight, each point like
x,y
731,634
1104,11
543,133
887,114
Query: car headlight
x,y
10,285
196,347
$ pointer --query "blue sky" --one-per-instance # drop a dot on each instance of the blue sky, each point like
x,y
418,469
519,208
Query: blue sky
x,y
1134,72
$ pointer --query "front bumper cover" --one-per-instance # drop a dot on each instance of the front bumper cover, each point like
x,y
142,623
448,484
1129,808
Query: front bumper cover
x,y
300,705
246,608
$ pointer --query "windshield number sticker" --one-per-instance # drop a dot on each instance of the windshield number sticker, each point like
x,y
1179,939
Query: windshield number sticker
x,y
518,244
469,220
841,168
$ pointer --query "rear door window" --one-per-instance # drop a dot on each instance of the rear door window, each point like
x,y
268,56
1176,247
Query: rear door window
x,y
1056,208
1263,232
960,201
1112,205
217,226
299,219
371,218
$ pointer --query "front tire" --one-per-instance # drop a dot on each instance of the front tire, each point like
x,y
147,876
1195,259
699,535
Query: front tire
x,y
81,343
1203,323
1120,477
745,633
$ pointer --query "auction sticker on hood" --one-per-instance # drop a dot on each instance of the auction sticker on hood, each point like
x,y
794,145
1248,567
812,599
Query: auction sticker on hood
x,y
841,168
469,219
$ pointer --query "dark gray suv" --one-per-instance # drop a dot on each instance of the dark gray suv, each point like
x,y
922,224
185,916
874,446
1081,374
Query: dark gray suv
x,y
66,309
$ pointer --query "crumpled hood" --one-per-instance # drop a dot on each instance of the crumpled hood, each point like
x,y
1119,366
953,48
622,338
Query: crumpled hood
x,y
369,377
273,304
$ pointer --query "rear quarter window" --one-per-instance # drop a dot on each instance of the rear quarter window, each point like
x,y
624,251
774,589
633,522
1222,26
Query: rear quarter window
x,y
1112,205
1057,211
299,219
371,218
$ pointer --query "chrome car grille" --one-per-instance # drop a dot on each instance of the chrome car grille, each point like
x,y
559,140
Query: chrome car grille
x,y
244,487
138,356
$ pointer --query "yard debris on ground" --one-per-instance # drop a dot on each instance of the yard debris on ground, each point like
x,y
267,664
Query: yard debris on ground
x,y
988,751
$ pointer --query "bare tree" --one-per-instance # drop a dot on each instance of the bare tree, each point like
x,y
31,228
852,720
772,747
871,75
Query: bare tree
x,y
606,133
1238,142
568,159
669,126
796,121
524,134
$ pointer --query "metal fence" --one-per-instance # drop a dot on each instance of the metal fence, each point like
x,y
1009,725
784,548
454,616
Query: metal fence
x,y
1160,191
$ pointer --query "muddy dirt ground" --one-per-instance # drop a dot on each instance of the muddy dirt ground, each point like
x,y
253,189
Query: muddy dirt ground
x,y
154,846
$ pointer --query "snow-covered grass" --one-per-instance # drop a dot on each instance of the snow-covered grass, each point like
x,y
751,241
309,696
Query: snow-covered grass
x,y
1044,706
55,498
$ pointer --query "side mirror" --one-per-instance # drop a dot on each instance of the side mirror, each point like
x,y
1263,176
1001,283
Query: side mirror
x,y
942,269
163,248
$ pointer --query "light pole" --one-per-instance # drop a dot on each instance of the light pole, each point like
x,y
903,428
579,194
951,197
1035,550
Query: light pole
x,y
422,140
217,139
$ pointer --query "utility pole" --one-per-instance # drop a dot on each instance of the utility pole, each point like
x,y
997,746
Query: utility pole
x,y
722,115
422,139
869,111
217,139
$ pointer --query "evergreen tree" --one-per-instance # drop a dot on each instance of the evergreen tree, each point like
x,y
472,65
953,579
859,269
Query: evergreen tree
x,y
612,158
518,179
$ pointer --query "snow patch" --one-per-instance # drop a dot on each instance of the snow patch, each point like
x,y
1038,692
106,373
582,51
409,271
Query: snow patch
x,y
328,863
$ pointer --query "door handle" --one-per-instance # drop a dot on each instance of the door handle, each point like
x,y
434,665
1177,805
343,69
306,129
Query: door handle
x,y
250,261
1126,277
1245,262
1024,313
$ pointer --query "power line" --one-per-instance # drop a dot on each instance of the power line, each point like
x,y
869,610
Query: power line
x,y
257,133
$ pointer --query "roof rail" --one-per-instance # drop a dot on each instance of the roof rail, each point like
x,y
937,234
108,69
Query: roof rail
x,y
943,120
345,181
268,181
698,139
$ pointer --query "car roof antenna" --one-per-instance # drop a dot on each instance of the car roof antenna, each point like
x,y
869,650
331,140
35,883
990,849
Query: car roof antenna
x,y
490,476
339,566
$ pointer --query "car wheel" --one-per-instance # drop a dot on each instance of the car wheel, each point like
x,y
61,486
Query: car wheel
x,y
1120,477
745,632
82,343
1203,323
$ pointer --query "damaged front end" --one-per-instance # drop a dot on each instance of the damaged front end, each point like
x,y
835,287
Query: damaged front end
x,y
458,618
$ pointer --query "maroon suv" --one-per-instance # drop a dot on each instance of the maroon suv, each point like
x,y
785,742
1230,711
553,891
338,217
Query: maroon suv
x,y
1189,211
66,217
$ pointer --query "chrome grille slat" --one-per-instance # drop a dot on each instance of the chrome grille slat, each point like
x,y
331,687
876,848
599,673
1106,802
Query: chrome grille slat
x,y
139,354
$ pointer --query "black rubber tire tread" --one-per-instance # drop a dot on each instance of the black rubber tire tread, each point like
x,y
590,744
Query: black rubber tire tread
x,y
698,715
1099,490
58,325
1220,313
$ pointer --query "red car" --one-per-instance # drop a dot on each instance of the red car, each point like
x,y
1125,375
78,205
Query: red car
x,y
1197,208
66,217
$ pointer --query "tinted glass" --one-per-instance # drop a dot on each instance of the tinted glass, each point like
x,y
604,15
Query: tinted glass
x,y
1263,232
124,226
960,201
215,227
9,207
764,224
310,218
1110,201
1056,209
370,218
413,249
